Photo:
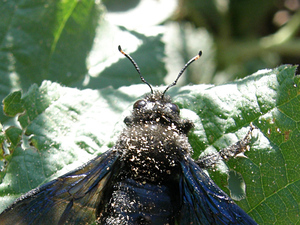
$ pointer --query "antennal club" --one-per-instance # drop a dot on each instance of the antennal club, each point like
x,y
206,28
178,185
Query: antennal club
x,y
136,67
181,72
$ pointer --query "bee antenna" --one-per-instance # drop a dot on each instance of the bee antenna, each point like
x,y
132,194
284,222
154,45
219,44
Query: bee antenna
x,y
181,72
136,67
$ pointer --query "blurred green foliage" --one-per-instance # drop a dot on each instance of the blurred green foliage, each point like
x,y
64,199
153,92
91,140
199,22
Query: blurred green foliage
x,y
248,35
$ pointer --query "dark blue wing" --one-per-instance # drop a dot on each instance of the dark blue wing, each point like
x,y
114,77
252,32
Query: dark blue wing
x,y
70,199
204,202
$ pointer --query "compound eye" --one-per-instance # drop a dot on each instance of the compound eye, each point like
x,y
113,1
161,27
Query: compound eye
x,y
173,107
139,104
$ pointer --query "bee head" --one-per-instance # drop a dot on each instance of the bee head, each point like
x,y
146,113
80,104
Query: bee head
x,y
157,107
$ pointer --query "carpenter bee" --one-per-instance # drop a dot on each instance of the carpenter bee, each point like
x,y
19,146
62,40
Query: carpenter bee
x,y
147,177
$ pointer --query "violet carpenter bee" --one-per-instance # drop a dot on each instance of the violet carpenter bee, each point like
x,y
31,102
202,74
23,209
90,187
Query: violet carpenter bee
x,y
147,177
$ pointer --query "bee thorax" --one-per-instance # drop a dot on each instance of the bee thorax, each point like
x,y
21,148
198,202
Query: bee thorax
x,y
151,151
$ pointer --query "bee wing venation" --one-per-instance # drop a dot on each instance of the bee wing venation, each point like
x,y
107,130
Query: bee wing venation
x,y
70,199
204,202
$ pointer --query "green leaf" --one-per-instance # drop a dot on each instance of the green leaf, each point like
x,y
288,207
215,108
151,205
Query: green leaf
x,y
44,40
13,104
269,99
40,38
13,135
68,41
65,127
103,72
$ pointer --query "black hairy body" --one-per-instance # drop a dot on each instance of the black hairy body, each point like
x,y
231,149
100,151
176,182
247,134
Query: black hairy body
x,y
150,151
152,146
